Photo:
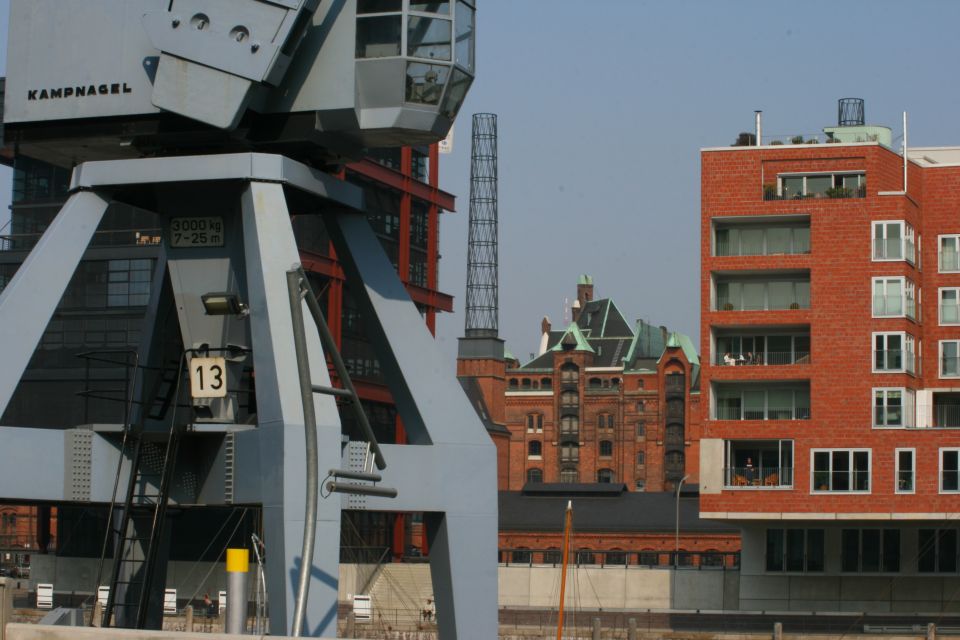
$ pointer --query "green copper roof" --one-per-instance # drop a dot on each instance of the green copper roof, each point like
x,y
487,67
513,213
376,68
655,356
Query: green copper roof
x,y
581,342
507,355
681,341
585,279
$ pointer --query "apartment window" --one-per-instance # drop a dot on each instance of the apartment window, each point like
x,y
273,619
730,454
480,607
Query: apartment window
x,y
870,550
747,349
535,449
937,551
534,422
949,305
894,240
569,474
762,239
893,352
606,448
753,294
641,429
762,403
894,297
534,475
641,458
949,470
893,407
949,251
841,470
905,460
820,185
949,358
605,476
794,550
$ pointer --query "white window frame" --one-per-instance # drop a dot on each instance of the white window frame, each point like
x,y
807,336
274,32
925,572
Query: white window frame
x,y
908,291
814,490
956,240
940,360
815,174
940,292
896,470
908,241
908,407
909,347
940,469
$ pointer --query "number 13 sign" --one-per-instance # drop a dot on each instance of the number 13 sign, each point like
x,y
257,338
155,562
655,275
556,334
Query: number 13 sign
x,y
208,377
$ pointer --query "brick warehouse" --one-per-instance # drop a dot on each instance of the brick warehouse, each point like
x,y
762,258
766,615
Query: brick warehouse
x,y
607,414
830,334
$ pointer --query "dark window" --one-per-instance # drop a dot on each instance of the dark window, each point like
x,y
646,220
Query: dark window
x,y
520,556
641,458
615,557
937,550
794,550
585,556
546,383
569,474
553,556
641,429
649,557
605,476
606,448
949,471
535,448
534,475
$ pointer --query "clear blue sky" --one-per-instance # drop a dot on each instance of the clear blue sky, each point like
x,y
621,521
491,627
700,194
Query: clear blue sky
x,y
604,105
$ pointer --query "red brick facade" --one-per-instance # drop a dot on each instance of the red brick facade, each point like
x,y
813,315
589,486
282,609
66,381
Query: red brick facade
x,y
837,361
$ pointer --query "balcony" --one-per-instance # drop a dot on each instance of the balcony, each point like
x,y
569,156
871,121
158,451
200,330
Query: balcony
x,y
834,193
946,410
840,185
894,306
762,240
758,464
894,249
762,294
762,401
757,477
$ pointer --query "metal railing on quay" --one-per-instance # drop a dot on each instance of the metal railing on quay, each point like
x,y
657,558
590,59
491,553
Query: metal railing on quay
x,y
110,238
759,477
649,558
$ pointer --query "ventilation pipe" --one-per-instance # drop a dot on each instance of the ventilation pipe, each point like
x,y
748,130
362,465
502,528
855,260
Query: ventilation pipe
x,y
904,151
759,126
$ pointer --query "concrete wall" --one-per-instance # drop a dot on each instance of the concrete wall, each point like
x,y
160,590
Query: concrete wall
x,y
620,588
6,605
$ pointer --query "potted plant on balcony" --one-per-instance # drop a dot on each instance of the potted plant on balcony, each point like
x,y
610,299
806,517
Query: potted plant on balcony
x,y
838,192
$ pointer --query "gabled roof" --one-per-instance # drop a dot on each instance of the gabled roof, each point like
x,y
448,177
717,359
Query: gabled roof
x,y
683,341
573,340
602,319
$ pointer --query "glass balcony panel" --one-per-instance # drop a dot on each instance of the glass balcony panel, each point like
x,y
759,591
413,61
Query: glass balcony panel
x,y
950,313
817,186
949,260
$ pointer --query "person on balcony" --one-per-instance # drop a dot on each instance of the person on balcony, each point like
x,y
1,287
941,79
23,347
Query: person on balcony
x,y
728,359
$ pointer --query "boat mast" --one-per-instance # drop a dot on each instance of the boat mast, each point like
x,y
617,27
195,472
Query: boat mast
x,y
568,521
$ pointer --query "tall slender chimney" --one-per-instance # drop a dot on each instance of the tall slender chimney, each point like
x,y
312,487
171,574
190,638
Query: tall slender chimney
x,y
482,305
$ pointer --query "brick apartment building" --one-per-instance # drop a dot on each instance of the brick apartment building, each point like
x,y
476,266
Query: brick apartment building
x,y
830,290
607,414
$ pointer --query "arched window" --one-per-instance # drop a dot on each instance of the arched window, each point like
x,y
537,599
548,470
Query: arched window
x,y
640,406
606,448
513,383
641,429
569,474
639,384
674,459
520,556
569,451
553,556
546,383
615,383
569,372
586,556
711,558
569,426
536,384
606,383
534,449
525,383
605,476
615,556
674,433
649,558
569,399
605,421
534,422
684,558
641,458
534,475
594,383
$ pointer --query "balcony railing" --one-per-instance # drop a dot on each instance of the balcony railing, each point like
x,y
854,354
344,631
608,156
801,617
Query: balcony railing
x,y
757,477
894,305
769,358
888,416
112,238
894,360
725,304
949,261
651,558
798,246
950,313
946,416
831,194
770,413
894,249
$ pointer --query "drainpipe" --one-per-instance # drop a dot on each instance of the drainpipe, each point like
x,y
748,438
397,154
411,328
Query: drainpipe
x,y
904,151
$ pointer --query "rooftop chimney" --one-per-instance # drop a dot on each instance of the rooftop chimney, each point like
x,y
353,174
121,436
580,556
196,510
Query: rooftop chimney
x,y
850,112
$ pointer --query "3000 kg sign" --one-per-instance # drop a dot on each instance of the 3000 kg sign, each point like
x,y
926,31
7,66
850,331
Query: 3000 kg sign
x,y
196,232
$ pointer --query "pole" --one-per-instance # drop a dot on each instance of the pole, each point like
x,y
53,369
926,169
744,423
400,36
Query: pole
x,y
676,551
568,520
238,564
